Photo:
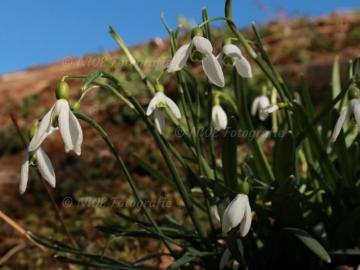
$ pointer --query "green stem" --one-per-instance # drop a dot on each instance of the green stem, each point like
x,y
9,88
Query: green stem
x,y
176,177
275,78
122,165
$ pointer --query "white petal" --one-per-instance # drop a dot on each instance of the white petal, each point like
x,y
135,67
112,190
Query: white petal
x,y
202,44
339,123
270,109
235,265
152,104
180,58
173,107
224,259
24,173
219,58
43,131
243,67
246,223
45,167
159,118
232,51
219,118
214,211
63,111
76,133
213,70
355,104
264,103
234,213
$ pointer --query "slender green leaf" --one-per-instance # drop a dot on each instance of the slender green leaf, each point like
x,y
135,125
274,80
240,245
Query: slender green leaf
x,y
311,243
285,158
229,154
91,78
187,258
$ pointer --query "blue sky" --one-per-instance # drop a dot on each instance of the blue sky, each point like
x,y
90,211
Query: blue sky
x,y
42,31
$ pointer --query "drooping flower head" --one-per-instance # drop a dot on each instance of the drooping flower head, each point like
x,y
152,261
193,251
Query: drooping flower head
x,y
219,118
199,49
238,212
60,117
157,106
231,55
218,115
260,105
353,107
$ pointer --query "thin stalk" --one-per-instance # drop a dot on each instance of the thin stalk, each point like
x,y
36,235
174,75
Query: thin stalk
x,y
58,212
261,162
132,60
19,229
211,137
123,167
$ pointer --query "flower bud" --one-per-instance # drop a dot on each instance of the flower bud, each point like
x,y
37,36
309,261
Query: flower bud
x,y
244,187
62,90
159,87
227,41
354,92
75,106
196,32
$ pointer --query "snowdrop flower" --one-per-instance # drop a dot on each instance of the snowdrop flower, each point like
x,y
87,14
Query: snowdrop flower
x,y
231,55
199,49
39,159
157,105
238,212
60,117
261,105
352,107
219,118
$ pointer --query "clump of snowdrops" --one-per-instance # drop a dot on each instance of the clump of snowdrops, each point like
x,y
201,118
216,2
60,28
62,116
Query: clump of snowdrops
x,y
295,206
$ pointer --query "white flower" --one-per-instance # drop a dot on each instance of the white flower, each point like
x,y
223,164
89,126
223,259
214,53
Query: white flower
x,y
60,116
352,107
241,64
43,164
157,105
260,105
214,211
219,118
238,212
211,66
